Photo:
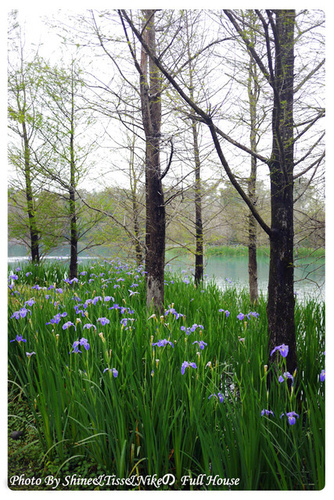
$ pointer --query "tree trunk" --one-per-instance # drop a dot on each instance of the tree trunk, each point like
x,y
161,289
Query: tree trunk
x,y
281,301
252,260
199,264
135,205
253,94
155,205
73,273
34,239
136,230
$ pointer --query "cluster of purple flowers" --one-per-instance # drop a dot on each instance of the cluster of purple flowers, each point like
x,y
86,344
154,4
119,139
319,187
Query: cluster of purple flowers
x,y
13,277
22,313
82,342
290,414
124,321
70,282
122,309
241,316
56,319
227,313
163,343
192,328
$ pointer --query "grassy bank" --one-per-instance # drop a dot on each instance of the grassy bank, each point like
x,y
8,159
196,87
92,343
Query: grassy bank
x,y
102,388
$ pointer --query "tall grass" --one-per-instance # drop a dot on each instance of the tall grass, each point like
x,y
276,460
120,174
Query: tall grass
x,y
152,418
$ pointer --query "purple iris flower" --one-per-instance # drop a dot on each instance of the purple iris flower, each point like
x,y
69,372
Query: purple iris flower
x,y
68,324
21,313
19,339
124,321
171,310
24,311
30,302
56,318
283,350
192,328
113,371
285,376
218,396
103,321
227,313
200,343
254,314
89,325
291,417
267,413
162,343
114,306
322,375
82,342
185,365
70,282
96,299
240,316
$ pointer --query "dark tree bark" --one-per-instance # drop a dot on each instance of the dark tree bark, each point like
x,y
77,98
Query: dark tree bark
x,y
150,86
281,300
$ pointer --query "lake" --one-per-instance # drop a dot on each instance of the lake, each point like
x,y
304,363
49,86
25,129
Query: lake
x,y
233,271
230,271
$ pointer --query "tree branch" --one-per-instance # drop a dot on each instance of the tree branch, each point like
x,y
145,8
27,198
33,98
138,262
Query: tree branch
x,y
169,162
